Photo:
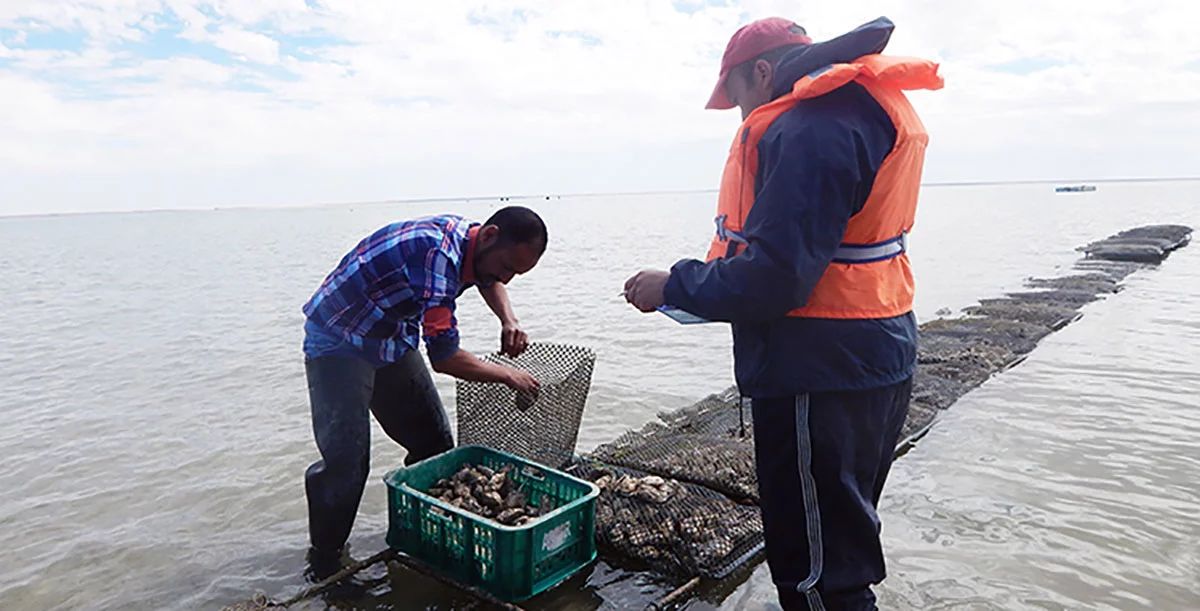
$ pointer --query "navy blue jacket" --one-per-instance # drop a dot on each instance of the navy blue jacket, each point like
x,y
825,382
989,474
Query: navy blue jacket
x,y
816,166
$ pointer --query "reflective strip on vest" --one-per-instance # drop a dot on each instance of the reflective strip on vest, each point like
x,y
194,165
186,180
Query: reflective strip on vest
x,y
870,253
845,253
728,235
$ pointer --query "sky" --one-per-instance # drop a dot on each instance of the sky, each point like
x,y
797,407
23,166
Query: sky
x,y
153,104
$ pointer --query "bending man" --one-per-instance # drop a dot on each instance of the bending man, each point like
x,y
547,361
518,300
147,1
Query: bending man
x,y
363,328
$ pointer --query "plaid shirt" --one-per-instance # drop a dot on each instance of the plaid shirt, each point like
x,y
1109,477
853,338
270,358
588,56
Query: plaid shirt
x,y
381,291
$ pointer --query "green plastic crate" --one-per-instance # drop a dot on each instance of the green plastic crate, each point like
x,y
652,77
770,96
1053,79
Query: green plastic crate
x,y
513,563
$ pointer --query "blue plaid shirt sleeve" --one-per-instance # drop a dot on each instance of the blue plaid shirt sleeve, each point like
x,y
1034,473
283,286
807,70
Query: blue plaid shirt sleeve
x,y
433,277
402,277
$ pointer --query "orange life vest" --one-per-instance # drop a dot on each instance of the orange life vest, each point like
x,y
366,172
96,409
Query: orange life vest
x,y
870,275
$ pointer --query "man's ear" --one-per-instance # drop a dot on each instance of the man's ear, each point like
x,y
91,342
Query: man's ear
x,y
488,235
763,73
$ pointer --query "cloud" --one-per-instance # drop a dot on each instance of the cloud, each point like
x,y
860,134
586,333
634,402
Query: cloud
x,y
463,97
249,46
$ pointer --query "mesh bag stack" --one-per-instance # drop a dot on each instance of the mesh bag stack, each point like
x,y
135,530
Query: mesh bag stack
x,y
675,528
721,463
680,494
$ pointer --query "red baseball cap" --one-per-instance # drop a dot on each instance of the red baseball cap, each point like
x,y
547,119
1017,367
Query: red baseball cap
x,y
750,41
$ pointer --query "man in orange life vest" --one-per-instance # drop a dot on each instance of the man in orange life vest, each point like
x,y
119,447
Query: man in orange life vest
x,y
809,266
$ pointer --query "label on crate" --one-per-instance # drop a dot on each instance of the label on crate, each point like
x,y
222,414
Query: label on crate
x,y
557,537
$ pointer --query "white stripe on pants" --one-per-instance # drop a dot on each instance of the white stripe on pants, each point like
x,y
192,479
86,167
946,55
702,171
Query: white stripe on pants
x,y
812,513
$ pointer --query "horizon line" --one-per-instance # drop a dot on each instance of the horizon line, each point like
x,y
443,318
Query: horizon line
x,y
544,196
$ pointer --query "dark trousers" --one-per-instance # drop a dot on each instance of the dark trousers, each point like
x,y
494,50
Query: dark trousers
x,y
822,460
342,391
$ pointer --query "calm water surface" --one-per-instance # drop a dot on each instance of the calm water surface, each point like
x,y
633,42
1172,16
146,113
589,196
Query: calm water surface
x,y
156,420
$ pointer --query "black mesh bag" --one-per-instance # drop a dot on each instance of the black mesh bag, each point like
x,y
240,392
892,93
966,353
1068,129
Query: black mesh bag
x,y
544,430
710,444
674,528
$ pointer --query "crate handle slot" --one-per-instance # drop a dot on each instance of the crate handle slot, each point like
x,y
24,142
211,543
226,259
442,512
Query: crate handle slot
x,y
533,473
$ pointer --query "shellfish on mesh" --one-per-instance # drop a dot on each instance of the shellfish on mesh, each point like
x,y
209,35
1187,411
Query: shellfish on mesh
x,y
650,488
669,525
491,494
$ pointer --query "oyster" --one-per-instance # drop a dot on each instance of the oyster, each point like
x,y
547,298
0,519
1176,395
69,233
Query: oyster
x,y
514,500
626,485
674,527
650,488
490,493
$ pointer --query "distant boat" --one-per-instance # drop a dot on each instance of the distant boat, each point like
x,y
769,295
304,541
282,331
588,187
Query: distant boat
x,y
1075,189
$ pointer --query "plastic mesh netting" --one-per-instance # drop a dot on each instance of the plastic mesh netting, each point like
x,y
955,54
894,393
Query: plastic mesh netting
x,y
490,414
675,528
716,414
710,444
724,464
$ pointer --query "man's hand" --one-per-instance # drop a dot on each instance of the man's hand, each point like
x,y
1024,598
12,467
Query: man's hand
x,y
645,289
513,340
526,386
521,381
464,366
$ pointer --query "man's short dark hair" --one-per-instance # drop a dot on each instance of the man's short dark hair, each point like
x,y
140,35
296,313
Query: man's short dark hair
x,y
772,57
520,225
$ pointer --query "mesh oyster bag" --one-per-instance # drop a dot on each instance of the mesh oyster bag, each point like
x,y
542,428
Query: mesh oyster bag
x,y
491,414
710,444
672,527
722,463
717,414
